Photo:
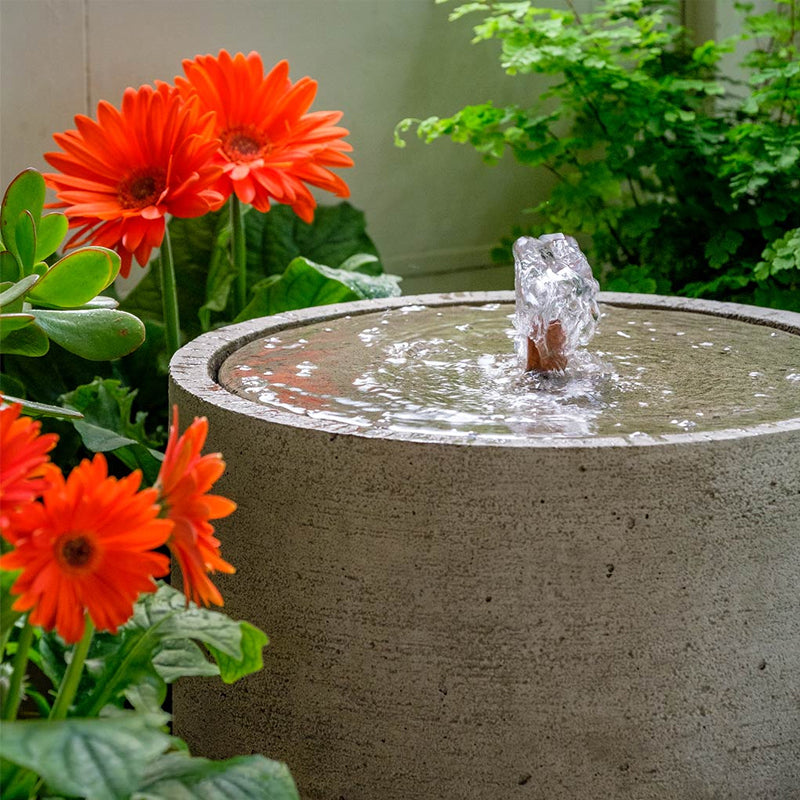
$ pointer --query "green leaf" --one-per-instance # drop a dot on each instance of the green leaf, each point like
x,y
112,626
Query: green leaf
x,y
33,409
276,238
49,235
13,322
239,641
77,278
242,778
25,238
24,193
28,341
178,658
106,426
253,642
18,290
97,334
10,269
95,758
305,284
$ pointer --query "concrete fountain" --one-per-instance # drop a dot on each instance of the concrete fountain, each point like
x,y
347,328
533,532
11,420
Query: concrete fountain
x,y
569,572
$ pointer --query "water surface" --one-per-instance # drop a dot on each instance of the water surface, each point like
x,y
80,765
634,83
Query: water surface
x,y
451,371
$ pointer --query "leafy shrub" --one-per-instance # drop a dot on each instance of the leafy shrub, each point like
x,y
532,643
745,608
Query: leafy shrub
x,y
685,181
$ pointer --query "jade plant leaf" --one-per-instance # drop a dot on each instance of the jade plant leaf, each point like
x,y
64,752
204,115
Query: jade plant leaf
x,y
25,238
17,291
10,269
100,334
77,278
98,758
13,322
28,341
305,283
24,193
50,233
242,778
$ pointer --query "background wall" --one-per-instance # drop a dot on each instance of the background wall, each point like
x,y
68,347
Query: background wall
x,y
434,211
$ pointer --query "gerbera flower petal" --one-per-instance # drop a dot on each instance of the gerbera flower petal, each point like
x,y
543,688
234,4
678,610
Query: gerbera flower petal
x,y
184,480
25,468
264,126
154,156
87,547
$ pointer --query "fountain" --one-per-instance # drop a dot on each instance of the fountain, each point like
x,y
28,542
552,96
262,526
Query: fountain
x,y
573,580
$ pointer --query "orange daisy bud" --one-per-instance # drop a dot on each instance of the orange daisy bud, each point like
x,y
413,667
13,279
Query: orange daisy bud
x,y
271,147
25,468
184,481
120,176
87,547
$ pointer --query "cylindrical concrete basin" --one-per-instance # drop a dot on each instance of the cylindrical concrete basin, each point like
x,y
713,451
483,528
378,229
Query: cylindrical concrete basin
x,y
554,614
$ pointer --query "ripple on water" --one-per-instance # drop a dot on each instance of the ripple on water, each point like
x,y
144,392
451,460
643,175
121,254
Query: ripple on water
x,y
451,371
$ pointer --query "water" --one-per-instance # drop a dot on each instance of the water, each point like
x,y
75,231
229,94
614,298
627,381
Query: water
x,y
451,371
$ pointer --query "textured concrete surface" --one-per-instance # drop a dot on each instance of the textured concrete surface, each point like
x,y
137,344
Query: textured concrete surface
x,y
472,622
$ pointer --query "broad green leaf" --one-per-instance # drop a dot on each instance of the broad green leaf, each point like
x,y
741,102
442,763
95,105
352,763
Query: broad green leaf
x,y
240,642
10,269
153,643
28,341
253,642
106,407
50,233
95,758
276,238
77,278
147,695
17,290
13,322
178,658
25,238
97,334
25,193
180,777
305,284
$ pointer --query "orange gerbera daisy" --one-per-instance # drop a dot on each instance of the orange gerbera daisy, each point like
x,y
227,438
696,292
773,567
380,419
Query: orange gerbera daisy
x,y
25,468
270,146
86,547
121,175
184,481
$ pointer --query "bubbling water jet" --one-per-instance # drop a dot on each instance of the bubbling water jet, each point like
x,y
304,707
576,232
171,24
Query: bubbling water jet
x,y
556,301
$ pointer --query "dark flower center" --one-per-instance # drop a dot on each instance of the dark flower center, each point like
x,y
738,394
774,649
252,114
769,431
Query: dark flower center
x,y
244,143
142,188
77,551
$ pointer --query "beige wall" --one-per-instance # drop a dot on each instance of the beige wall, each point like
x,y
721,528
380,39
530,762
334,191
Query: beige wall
x,y
432,209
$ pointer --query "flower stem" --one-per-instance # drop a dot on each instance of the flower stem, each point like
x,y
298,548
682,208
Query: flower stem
x,y
72,677
239,253
19,667
169,295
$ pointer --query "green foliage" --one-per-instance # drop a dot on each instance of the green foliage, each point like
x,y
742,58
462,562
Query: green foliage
x,y
40,304
126,753
105,425
205,273
684,181
304,283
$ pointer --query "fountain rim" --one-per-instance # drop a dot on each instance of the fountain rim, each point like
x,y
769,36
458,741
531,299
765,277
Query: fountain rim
x,y
195,367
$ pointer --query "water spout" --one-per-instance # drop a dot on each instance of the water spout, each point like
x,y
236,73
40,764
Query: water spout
x,y
556,307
